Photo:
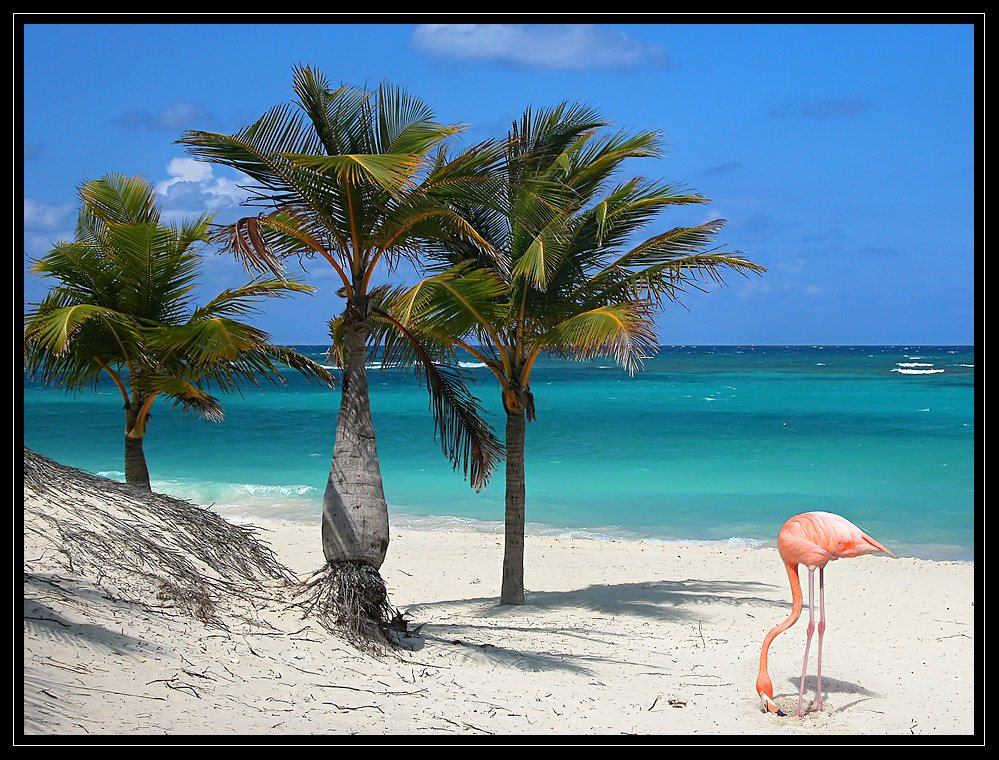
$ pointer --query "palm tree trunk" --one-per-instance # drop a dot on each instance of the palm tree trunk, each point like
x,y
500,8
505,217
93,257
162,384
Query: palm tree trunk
x,y
512,591
136,471
355,514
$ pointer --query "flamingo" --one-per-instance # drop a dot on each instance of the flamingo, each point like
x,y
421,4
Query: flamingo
x,y
811,539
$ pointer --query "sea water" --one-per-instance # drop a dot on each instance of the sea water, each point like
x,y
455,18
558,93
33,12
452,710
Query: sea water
x,y
706,443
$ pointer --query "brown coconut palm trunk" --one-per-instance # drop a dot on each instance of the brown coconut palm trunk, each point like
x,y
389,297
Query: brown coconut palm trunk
x,y
355,515
136,471
512,591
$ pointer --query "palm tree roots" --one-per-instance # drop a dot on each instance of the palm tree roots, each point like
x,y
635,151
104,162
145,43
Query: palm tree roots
x,y
350,599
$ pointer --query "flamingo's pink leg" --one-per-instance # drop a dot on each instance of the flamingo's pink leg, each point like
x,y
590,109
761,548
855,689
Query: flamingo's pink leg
x,y
809,630
822,629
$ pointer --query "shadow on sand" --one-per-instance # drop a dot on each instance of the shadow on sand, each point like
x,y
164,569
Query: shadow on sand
x,y
847,693
654,600
674,601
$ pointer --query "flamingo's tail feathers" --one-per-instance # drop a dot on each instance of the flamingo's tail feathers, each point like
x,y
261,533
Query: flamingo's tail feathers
x,y
877,545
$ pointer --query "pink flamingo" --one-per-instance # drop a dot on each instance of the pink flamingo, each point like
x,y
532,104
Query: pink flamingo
x,y
810,539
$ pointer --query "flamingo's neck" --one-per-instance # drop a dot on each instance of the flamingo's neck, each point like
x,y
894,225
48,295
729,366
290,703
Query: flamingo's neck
x,y
792,574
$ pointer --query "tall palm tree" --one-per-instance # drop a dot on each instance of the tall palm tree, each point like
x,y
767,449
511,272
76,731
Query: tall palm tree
x,y
359,179
574,283
122,308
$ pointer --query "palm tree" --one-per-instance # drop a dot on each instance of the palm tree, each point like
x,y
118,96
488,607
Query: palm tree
x,y
122,306
359,179
574,282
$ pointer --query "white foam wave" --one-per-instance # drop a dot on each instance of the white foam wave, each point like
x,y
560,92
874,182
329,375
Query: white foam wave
x,y
903,371
402,521
913,364
256,489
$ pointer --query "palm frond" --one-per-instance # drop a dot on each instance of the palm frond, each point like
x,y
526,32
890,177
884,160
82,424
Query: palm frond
x,y
257,152
624,331
406,123
453,304
395,173
184,394
242,301
82,271
206,342
334,113
117,199
310,369
52,329
467,440
534,265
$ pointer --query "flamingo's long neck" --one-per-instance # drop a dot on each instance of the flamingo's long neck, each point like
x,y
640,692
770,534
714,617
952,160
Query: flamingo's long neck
x,y
792,575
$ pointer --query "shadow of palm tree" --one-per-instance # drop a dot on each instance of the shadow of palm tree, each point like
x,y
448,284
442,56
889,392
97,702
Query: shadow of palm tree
x,y
652,600
649,599
46,621
532,661
656,599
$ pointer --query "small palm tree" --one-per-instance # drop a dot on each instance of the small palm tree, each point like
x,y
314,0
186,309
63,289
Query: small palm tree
x,y
121,306
352,177
573,282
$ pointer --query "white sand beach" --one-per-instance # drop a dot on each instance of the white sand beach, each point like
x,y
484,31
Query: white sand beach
x,y
650,639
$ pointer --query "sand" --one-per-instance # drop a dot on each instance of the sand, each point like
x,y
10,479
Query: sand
x,y
616,638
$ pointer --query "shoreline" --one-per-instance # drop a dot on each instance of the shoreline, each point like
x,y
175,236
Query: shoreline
x,y
615,637
400,521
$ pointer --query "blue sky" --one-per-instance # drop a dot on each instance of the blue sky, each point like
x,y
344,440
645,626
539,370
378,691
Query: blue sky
x,y
842,156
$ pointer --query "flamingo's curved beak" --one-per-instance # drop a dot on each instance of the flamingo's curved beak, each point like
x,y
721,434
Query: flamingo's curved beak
x,y
770,706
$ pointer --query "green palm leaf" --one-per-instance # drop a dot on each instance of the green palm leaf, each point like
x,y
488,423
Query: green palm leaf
x,y
52,330
185,394
625,331
395,173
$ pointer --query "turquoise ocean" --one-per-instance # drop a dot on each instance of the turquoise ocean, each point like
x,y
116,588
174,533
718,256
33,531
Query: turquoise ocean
x,y
706,443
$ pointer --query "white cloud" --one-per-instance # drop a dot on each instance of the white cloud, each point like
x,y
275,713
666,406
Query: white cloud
x,y
550,46
45,216
194,189
187,170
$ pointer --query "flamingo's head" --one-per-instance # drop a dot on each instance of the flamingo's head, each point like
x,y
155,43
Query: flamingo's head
x,y
766,691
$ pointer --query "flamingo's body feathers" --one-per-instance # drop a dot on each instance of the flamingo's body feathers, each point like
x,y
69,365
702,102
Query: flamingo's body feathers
x,y
814,538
